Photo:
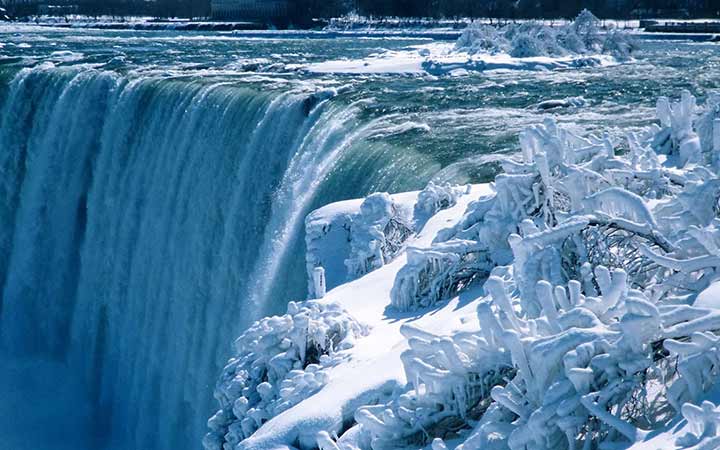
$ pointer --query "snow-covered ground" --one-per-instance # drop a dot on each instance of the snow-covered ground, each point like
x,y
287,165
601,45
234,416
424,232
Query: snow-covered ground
x,y
442,59
572,303
374,361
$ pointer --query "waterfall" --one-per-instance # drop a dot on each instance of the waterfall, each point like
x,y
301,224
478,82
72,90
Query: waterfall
x,y
143,222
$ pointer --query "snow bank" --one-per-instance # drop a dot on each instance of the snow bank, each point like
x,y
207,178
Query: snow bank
x,y
441,59
570,306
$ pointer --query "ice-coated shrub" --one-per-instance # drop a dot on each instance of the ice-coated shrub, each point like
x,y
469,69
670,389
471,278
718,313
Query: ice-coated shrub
x,y
480,38
698,360
376,235
586,27
278,362
435,198
703,422
534,193
677,137
529,39
592,324
575,201
619,45
573,366
449,382
437,273
708,130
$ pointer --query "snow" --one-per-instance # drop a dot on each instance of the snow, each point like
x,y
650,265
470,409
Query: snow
x,y
710,297
442,58
572,303
377,355
482,47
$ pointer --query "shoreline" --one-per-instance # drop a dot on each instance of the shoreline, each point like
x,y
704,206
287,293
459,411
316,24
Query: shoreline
x,y
251,30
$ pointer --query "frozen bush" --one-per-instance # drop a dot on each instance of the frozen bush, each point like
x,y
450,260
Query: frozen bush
x,y
708,130
575,366
435,198
481,38
703,422
437,273
537,192
677,138
530,39
566,182
376,235
449,382
279,361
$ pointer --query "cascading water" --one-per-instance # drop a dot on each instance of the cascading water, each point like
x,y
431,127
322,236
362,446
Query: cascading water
x,y
143,223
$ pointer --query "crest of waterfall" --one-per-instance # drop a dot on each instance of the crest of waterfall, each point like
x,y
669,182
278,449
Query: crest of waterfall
x,y
142,223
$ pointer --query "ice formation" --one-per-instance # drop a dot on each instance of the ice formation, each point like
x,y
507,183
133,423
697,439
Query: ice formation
x,y
376,235
585,263
530,39
366,236
703,421
279,361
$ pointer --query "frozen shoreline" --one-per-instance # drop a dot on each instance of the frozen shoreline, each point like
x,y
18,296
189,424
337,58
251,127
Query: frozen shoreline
x,y
456,326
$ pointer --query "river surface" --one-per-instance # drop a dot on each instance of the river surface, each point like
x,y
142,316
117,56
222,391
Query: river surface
x,y
154,185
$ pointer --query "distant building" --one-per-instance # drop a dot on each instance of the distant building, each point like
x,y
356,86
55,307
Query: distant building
x,y
251,10
58,7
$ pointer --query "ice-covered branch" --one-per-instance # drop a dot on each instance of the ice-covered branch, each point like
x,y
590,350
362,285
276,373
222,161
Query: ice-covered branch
x,y
278,362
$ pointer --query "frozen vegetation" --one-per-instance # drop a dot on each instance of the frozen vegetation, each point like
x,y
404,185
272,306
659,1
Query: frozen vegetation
x,y
528,39
279,362
528,45
574,303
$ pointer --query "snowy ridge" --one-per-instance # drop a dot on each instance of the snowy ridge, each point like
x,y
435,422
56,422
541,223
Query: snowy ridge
x,y
572,305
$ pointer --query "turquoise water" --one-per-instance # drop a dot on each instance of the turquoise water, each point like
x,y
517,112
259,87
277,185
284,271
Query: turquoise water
x,y
154,186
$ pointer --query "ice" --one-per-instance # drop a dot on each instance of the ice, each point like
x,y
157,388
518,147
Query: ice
x,y
349,239
571,306
482,47
279,362
532,39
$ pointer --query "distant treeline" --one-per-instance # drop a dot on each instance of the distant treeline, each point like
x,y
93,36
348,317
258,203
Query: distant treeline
x,y
303,10
547,9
